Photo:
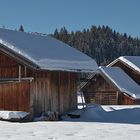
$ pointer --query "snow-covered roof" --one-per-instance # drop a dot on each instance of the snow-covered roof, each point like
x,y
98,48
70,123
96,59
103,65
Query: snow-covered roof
x,y
121,80
131,61
45,52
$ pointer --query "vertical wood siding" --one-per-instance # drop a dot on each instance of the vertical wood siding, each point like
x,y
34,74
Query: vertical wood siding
x,y
99,91
125,100
49,91
15,96
8,67
54,91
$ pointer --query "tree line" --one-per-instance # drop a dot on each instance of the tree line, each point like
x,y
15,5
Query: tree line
x,y
101,43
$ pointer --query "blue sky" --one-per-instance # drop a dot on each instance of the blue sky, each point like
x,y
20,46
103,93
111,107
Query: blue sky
x,y
47,15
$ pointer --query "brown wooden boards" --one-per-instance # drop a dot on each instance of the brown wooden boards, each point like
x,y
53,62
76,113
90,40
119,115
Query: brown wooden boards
x,y
15,96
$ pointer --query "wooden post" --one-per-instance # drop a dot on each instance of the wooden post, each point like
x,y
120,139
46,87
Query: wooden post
x,y
25,71
59,98
117,94
100,98
69,91
19,73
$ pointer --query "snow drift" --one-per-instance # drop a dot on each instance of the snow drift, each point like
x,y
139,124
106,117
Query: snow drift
x,y
109,114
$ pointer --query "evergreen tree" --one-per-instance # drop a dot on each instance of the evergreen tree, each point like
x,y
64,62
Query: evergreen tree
x,y
21,28
101,43
56,34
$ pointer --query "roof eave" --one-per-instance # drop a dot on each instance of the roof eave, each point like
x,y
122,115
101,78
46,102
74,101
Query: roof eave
x,y
115,85
117,60
21,59
69,70
113,62
109,80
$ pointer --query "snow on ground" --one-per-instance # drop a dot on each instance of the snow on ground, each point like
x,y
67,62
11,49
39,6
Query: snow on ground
x,y
109,114
94,124
68,131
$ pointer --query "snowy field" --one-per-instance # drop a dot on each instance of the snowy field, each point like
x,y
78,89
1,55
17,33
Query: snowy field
x,y
68,131
96,123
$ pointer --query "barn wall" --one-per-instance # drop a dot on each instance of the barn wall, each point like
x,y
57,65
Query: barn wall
x,y
9,68
53,91
100,92
134,75
15,96
124,99
137,102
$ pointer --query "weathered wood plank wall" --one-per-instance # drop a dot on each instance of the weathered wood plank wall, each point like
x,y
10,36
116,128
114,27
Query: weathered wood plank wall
x,y
100,92
50,90
101,97
15,96
54,91
125,100
9,68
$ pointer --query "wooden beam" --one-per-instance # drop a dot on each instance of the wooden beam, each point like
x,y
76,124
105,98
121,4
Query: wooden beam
x,y
19,73
25,71
20,58
2,80
93,92
117,97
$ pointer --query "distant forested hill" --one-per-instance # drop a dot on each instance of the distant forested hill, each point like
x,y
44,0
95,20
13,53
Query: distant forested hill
x,y
100,43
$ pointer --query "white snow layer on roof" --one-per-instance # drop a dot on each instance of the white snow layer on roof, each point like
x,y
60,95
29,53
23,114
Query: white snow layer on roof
x,y
47,52
122,81
132,61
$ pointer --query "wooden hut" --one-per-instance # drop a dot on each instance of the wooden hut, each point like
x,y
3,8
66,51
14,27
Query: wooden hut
x,y
39,73
112,86
130,64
